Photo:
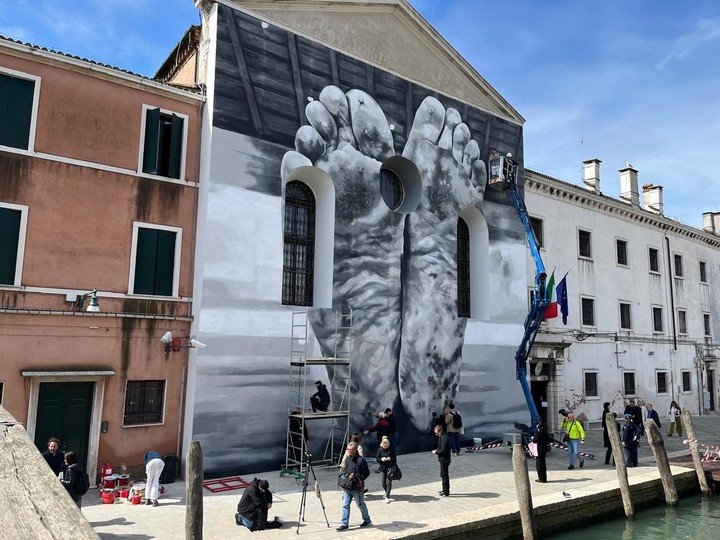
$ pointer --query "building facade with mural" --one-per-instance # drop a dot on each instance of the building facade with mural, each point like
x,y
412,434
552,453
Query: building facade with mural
x,y
643,303
344,159
98,190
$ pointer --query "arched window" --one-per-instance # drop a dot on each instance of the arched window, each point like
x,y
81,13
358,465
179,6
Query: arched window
x,y
299,245
463,268
391,189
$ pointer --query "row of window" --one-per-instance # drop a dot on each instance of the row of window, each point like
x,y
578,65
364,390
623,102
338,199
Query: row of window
x,y
299,246
154,263
587,308
621,252
591,387
164,133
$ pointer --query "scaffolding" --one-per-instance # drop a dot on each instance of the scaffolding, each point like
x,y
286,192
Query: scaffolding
x,y
300,414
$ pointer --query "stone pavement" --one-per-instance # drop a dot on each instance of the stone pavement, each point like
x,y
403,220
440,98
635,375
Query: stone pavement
x,y
480,482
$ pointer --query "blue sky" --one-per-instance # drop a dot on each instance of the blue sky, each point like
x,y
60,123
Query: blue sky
x,y
642,76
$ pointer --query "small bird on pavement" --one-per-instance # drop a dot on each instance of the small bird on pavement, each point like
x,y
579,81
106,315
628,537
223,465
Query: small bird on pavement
x,y
567,494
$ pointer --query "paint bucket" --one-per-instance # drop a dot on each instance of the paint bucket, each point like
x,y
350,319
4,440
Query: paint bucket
x,y
123,480
105,470
138,488
109,482
107,496
124,493
135,499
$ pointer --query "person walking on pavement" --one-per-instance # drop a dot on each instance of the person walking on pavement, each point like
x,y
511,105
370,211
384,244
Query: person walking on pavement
x,y
454,427
443,453
653,415
387,459
541,439
356,472
320,400
575,435
55,459
675,419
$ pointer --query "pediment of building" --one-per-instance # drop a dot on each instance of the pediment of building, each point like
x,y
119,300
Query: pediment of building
x,y
391,35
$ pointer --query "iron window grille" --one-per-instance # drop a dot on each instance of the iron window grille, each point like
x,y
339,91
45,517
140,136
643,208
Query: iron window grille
x,y
463,268
391,189
144,402
299,245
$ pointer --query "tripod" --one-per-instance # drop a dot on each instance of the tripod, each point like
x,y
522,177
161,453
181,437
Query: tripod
x,y
303,500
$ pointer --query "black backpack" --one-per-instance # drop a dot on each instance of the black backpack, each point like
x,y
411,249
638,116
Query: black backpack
x,y
82,485
457,420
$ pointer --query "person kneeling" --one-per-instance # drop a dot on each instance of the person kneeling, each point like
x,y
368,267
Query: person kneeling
x,y
252,510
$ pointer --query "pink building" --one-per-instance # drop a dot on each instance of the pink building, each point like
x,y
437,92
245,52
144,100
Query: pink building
x,y
98,190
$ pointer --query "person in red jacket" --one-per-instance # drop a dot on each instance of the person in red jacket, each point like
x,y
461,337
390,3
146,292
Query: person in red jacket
x,y
381,429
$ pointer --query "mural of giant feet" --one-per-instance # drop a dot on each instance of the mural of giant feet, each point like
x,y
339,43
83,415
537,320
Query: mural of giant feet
x,y
408,338
432,336
348,138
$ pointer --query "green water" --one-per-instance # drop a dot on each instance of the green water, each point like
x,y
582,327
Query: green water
x,y
694,517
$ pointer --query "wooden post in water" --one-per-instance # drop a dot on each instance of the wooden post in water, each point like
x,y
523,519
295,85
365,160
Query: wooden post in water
x,y
692,441
658,447
620,467
522,487
193,492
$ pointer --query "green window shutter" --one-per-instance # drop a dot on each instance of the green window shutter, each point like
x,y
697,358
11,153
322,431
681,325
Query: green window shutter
x,y
176,142
152,134
145,261
165,266
16,101
9,237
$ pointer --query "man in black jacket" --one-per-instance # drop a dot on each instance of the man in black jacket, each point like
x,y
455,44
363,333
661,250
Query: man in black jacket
x,y
356,471
443,455
320,400
71,477
252,510
55,459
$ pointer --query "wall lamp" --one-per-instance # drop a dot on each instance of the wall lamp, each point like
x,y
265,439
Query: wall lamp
x,y
174,344
94,306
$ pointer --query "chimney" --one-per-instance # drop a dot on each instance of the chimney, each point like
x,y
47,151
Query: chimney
x,y
629,185
591,174
653,198
716,222
708,224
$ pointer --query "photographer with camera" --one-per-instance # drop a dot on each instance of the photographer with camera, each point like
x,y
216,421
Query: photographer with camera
x,y
252,510
352,481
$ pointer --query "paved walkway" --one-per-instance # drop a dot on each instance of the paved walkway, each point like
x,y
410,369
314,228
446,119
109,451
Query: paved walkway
x,y
479,482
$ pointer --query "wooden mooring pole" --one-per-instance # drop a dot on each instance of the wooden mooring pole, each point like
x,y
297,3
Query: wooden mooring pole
x,y
692,441
620,467
657,444
194,493
524,495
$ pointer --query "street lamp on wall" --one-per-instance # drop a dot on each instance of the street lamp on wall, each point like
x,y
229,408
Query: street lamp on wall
x,y
94,306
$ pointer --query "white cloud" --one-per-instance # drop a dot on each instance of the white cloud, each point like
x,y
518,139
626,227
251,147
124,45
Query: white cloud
x,y
704,31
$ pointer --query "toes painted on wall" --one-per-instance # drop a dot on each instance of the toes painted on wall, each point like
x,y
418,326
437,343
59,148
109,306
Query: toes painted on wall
x,y
427,125
322,121
370,126
452,119
479,175
336,104
461,137
471,153
309,143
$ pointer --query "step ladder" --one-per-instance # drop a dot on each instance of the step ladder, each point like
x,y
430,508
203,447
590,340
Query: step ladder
x,y
300,415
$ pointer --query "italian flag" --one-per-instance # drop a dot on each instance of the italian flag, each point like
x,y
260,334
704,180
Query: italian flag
x,y
551,311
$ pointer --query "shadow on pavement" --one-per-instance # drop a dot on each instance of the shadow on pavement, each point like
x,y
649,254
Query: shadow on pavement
x,y
481,495
110,536
412,498
566,480
114,521
399,525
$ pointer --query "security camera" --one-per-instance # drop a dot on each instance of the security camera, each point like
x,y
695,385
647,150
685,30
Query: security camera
x,y
167,337
197,344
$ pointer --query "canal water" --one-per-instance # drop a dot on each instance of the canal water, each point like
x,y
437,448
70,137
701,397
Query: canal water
x,y
695,518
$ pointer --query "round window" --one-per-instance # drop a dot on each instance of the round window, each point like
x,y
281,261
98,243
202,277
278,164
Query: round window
x,y
391,189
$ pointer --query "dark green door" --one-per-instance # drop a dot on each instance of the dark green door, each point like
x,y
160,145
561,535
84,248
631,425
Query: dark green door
x,y
63,411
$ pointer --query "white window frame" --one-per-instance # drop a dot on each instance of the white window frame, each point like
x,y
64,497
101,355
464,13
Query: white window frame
x,y
620,304
164,407
684,312
141,149
700,264
634,380
22,236
582,323
707,314
627,252
682,265
33,115
650,270
682,385
667,383
652,318
597,384
541,240
133,258
592,250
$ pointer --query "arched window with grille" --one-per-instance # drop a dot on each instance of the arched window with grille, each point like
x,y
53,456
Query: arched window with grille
x,y
463,268
299,245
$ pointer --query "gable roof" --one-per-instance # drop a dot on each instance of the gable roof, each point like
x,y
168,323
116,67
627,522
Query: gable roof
x,y
389,34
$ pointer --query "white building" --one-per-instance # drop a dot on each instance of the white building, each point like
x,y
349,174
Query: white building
x,y
642,295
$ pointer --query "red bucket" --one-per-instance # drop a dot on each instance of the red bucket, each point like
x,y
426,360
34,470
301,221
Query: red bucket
x,y
107,496
135,499
123,480
109,482
124,493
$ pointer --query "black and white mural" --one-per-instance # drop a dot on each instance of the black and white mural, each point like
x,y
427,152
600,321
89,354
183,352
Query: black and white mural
x,y
284,104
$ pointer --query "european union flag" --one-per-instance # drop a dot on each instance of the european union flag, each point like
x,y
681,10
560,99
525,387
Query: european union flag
x,y
561,291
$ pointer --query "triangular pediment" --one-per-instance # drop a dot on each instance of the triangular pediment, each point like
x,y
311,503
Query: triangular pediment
x,y
389,34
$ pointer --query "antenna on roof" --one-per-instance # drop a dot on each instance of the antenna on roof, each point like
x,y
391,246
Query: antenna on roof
x,y
582,137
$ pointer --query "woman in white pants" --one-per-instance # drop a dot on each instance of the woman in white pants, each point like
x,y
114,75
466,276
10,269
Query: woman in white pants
x,y
154,466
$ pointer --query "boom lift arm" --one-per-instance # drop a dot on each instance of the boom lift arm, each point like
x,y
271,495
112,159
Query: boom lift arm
x,y
503,175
